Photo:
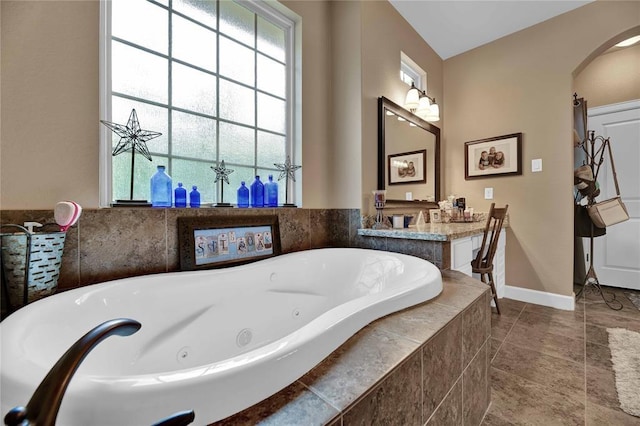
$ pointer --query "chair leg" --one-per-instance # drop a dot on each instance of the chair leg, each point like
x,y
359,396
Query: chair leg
x,y
494,293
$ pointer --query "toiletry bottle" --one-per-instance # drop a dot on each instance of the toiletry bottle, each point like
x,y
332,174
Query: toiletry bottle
x,y
194,197
180,196
161,189
257,193
243,196
271,193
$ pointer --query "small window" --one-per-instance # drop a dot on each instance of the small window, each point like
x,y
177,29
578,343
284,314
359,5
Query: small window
x,y
411,73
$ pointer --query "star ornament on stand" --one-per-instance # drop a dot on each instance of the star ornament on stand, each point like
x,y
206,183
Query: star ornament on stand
x,y
134,139
222,175
287,170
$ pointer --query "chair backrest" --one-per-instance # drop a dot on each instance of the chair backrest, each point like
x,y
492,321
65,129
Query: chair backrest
x,y
484,258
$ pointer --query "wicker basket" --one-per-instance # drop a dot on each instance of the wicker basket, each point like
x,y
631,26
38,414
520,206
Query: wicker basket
x,y
42,251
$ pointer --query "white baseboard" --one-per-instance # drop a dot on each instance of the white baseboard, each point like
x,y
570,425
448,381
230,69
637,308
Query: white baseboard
x,y
537,297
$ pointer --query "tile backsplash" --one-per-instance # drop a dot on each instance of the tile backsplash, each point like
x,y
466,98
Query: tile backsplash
x,y
108,244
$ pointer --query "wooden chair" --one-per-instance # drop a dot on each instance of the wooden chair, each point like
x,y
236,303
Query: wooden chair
x,y
483,263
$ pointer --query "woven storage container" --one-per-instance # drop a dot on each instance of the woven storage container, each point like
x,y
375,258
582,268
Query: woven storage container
x,y
44,258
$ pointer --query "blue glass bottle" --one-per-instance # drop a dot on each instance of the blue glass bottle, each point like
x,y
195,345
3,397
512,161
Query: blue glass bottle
x,y
257,193
161,189
243,196
271,193
194,197
180,196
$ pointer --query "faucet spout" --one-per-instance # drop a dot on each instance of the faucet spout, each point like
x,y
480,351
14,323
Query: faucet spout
x,y
44,404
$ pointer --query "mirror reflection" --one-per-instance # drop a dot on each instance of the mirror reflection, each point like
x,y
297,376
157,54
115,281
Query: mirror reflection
x,y
408,154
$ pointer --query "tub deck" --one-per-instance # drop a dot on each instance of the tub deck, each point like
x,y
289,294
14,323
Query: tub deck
x,y
398,369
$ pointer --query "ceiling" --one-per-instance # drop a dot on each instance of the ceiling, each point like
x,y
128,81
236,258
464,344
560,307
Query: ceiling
x,y
452,27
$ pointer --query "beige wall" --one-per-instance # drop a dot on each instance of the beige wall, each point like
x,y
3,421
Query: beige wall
x,y
523,83
49,80
385,34
611,78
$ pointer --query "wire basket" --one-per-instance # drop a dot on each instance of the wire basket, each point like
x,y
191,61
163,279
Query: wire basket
x,y
42,252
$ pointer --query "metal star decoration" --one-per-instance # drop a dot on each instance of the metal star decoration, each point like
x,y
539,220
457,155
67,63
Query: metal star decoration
x,y
222,173
132,137
287,169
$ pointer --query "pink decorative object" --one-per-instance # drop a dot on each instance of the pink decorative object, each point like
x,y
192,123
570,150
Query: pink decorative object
x,y
66,214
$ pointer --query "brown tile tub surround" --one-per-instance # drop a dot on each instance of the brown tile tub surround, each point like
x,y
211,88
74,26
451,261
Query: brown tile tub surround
x,y
408,368
107,244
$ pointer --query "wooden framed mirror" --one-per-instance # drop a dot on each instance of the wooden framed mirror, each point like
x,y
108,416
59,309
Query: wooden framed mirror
x,y
401,137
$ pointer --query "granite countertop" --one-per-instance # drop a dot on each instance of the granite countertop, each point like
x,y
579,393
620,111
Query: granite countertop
x,y
429,232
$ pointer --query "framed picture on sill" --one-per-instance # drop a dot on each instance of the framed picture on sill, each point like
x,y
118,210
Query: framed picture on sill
x,y
214,242
497,156
407,167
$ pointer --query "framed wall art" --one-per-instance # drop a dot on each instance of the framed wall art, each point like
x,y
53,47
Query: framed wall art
x,y
407,167
214,242
497,156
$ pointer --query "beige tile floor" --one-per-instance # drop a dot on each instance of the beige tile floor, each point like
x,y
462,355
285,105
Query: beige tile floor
x,y
553,367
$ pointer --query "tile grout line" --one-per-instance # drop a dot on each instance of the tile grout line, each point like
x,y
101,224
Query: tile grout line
x,y
508,332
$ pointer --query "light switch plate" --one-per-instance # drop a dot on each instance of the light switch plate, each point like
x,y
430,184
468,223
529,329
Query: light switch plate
x,y
488,193
536,165
408,196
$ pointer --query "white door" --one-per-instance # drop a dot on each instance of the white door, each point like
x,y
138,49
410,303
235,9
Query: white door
x,y
616,256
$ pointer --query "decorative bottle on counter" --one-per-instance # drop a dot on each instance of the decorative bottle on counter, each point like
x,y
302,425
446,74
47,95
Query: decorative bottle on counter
x,y
271,193
161,188
194,197
180,196
243,196
257,193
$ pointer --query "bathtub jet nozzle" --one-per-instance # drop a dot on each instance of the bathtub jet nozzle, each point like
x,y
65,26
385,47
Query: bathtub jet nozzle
x,y
44,404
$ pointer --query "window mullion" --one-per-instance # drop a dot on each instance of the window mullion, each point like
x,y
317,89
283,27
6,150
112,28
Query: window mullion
x,y
255,92
217,138
170,91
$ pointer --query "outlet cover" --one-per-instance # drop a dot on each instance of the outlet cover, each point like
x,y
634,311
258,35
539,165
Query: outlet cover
x,y
408,196
488,193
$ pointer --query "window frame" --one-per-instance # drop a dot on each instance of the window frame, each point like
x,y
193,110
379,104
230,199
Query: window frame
x,y
267,9
409,67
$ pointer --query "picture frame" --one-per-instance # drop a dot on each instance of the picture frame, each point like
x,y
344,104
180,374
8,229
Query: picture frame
x,y
435,216
493,157
407,167
215,242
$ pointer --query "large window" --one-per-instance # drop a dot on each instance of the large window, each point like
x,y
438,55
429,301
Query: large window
x,y
215,77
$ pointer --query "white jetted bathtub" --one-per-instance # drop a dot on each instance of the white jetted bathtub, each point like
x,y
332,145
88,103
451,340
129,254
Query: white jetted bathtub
x,y
215,341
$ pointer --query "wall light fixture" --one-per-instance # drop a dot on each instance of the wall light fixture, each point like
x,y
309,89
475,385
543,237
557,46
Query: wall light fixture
x,y
421,104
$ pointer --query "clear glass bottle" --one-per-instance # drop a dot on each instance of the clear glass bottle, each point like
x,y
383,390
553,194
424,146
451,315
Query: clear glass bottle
x,y
271,193
257,193
161,188
243,196
180,196
194,197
